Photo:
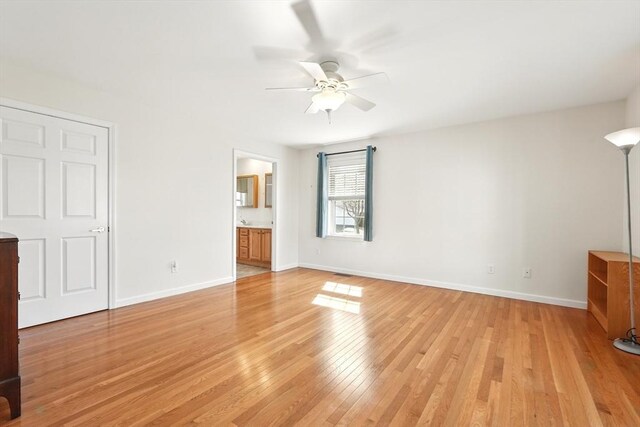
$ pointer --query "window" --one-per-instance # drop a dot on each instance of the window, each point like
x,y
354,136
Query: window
x,y
346,195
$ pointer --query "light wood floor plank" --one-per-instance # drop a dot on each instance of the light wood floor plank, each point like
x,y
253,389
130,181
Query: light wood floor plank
x,y
259,352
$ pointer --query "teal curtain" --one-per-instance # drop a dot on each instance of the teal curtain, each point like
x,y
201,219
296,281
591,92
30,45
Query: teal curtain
x,y
368,197
323,197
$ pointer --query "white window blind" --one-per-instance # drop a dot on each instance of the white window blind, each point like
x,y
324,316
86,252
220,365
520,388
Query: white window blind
x,y
347,178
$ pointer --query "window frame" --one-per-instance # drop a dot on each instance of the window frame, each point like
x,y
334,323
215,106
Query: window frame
x,y
351,159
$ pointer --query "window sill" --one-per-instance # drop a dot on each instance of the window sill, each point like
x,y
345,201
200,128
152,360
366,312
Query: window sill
x,y
345,238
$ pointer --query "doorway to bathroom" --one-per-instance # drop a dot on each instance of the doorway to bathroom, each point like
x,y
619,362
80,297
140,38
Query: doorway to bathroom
x,y
254,214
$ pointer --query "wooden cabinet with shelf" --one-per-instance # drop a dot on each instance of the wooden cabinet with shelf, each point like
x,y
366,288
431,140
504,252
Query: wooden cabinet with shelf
x,y
608,290
254,246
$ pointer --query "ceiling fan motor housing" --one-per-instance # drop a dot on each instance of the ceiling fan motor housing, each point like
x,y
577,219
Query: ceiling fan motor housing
x,y
334,80
330,66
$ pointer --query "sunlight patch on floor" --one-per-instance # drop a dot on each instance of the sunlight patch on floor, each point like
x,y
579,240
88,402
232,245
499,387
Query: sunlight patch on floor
x,y
341,288
337,303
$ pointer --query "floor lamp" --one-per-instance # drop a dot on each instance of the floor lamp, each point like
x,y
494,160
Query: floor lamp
x,y
625,140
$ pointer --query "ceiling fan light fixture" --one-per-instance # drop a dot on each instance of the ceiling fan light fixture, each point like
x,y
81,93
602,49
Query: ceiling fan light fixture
x,y
329,100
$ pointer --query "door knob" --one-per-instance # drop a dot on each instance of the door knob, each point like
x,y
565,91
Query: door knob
x,y
97,230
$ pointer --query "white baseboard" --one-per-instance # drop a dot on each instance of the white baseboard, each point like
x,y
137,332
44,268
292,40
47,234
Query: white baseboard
x,y
286,267
171,292
455,286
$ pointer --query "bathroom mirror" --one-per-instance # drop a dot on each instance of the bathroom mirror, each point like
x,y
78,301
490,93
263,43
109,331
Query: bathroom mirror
x,y
247,191
268,190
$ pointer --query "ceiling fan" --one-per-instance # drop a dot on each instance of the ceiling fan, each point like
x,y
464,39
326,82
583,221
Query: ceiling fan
x,y
332,90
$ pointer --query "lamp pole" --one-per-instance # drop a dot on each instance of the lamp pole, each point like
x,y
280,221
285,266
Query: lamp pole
x,y
626,151
626,140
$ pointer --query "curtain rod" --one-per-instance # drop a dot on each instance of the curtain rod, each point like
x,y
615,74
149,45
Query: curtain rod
x,y
347,152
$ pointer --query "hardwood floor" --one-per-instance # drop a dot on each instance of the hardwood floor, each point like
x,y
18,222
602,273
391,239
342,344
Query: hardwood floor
x,y
259,353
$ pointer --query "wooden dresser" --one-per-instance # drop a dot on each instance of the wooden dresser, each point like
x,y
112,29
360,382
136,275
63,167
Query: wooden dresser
x,y
9,376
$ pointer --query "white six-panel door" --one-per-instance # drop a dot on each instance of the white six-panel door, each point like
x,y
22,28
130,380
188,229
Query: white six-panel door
x,y
54,197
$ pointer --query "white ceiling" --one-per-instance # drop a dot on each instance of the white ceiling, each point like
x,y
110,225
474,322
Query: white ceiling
x,y
449,62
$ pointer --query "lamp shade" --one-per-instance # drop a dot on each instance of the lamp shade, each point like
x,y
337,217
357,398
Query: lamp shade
x,y
625,138
328,100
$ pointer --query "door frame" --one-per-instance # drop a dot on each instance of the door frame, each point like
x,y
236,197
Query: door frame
x,y
111,179
237,154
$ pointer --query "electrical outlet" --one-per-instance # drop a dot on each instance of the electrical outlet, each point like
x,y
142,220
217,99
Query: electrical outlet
x,y
491,269
526,273
174,266
317,251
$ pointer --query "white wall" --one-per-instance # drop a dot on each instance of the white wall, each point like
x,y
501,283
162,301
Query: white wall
x,y
255,216
633,120
174,187
533,191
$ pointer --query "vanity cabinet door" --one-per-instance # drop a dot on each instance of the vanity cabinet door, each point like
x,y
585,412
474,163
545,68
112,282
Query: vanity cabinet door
x,y
266,245
255,246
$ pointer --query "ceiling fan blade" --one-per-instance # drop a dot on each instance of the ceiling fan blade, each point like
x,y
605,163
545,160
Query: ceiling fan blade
x,y
299,89
315,70
312,109
370,80
359,102
307,17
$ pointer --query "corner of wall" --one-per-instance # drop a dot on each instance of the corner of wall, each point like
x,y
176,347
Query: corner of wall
x,y
633,120
633,108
